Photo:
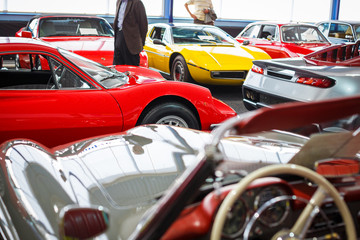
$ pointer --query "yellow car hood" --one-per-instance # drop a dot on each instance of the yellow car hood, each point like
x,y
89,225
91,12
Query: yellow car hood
x,y
222,57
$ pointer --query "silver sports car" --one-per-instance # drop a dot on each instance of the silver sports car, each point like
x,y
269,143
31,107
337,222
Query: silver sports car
x,y
329,73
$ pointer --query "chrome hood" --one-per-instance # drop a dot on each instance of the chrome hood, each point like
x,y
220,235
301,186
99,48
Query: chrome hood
x,y
126,174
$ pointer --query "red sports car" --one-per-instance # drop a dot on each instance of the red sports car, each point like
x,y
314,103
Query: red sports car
x,y
282,40
88,36
72,97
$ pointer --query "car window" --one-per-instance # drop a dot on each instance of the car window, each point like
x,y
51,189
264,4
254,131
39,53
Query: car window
x,y
32,25
32,71
324,28
251,32
107,77
267,31
302,34
202,35
74,26
339,30
157,33
64,78
357,31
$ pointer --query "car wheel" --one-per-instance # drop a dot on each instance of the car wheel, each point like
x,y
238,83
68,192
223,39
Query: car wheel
x,y
174,114
180,71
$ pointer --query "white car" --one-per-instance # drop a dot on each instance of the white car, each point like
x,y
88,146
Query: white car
x,y
329,73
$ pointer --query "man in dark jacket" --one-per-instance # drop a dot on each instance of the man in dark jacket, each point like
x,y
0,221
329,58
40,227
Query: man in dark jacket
x,y
130,26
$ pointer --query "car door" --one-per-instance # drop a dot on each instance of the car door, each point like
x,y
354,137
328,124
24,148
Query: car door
x,y
158,50
33,106
269,41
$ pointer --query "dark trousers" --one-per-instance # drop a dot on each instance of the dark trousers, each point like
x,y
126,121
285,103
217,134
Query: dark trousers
x,y
122,56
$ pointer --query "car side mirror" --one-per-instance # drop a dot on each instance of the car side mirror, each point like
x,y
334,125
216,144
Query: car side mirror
x,y
159,42
332,168
83,223
26,34
246,42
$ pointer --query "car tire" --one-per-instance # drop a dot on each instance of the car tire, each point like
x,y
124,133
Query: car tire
x,y
180,71
172,113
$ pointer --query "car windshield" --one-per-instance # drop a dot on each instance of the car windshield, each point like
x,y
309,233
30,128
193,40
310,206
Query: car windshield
x,y
107,77
302,34
74,26
357,31
202,35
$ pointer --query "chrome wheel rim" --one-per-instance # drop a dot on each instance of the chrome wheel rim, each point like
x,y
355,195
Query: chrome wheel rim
x,y
179,72
173,121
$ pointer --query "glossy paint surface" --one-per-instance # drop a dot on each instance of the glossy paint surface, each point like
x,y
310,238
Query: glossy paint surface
x,y
39,113
201,59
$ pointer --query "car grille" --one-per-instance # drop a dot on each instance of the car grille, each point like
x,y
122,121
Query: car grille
x,y
229,74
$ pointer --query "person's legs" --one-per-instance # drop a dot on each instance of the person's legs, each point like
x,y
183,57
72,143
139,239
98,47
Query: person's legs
x,y
122,56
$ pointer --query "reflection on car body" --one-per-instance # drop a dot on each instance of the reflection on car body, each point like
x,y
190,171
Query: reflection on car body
x,y
56,89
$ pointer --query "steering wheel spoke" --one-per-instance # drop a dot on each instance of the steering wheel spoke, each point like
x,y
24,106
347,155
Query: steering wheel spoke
x,y
302,224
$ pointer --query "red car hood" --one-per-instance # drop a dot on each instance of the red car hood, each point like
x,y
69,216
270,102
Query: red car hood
x,y
306,48
88,47
82,43
139,75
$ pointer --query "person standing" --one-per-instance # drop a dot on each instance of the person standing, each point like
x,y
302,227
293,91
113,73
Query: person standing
x,y
202,7
130,26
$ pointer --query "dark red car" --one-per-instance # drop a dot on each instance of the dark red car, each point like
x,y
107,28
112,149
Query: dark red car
x,y
59,96
282,40
88,36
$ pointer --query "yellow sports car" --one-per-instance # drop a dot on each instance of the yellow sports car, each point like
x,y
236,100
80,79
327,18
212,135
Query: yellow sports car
x,y
199,53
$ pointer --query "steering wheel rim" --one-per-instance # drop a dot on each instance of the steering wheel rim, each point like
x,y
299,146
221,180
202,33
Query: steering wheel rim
x,y
324,186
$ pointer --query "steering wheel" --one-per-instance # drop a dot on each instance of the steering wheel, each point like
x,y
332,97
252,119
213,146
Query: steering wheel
x,y
300,227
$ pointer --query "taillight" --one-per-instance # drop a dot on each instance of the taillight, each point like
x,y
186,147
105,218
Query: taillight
x,y
257,69
316,82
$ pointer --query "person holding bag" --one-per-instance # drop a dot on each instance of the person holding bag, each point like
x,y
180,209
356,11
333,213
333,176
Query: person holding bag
x,y
204,11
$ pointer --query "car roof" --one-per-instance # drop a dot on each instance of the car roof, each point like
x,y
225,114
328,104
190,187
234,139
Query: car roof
x,y
19,40
65,16
181,25
341,21
282,23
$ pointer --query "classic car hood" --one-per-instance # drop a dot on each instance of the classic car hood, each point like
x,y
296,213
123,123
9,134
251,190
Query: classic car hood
x,y
160,153
99,49
125,174
82,43
224,57
306,48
